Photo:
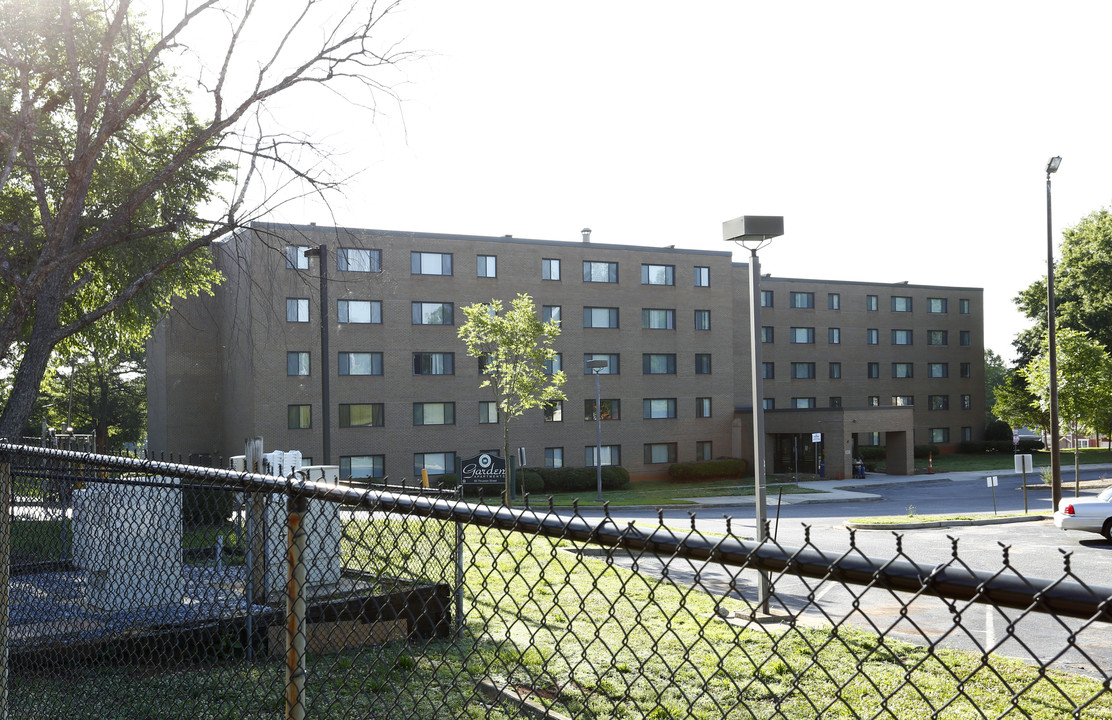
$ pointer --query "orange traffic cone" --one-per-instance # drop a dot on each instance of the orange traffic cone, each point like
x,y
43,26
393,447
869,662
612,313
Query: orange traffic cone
x,y
930,463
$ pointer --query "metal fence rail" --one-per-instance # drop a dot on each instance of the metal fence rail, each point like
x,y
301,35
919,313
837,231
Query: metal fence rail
x,y
141,596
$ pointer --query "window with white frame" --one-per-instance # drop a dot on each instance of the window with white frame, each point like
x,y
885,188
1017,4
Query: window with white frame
x,y
658,274
359,363
358,260
359,312
297,310
430,263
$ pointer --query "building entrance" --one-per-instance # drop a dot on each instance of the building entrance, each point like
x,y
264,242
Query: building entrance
x,y
795,454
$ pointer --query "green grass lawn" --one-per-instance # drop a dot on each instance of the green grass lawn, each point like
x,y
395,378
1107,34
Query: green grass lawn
x,y
998,461
657,492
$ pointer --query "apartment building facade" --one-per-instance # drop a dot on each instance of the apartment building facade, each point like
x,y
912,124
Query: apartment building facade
x,y
671,325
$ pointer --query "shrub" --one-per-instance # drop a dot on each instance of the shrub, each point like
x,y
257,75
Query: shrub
x,y
998,430
708,469
531,481
922,451
569,479
872,452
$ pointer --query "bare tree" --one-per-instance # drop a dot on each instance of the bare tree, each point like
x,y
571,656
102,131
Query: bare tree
x,y
125,152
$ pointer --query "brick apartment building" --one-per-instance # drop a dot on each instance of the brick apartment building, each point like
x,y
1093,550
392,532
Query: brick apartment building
x,y
859,362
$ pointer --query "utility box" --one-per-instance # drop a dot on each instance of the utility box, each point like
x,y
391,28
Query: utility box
x,y
129,540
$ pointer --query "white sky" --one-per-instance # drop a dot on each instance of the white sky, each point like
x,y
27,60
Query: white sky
x,y
900,141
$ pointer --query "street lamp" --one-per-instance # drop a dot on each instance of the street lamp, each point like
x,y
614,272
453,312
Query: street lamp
x,y
1055,457
596,367
321,252
753,232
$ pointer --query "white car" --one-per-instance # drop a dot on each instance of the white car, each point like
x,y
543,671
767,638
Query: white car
x,y
1088,514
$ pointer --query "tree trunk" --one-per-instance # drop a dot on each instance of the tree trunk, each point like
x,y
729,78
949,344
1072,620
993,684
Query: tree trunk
x,y
33,364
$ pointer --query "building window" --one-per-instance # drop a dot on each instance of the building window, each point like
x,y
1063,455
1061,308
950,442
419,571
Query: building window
x,y
550,269
702,407
487,266
936,305
488,412
297,363
835,370
802,336
768,371
702,363
902,370
803,403
963,307
938,402
430,263
834,336
937,337
297,310
438,463
871,302
769,403
873,401
359,311
359,260
801,300
433,313
600,272
702,276
658,319
658,364
300,417
803,371
966,402
434,363
835,401
938,370
966,370
967,434
362,415
704,450
554,364
940,435
702,319
873,370
360,363
833,301
434,413
766,333
767,298
613,366
872,336
362,466
658,274
964,338
611,409
295,257
659,408
551,313
657,453
903,400
554,457
611,455
554,411
901,337
901,303
600,317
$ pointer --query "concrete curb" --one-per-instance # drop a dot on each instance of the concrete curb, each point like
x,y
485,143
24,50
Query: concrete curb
x,y
945,523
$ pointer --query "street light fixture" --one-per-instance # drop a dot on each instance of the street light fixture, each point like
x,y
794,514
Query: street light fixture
x,y
321,252
596,367
754,232
1055,456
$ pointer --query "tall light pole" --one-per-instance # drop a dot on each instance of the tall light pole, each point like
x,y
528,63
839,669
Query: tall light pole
x,y
753,232
596,367
321,252
1055,457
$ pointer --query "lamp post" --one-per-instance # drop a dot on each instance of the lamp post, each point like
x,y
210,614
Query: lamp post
x,y
596,367
753,232
321,252
1055,456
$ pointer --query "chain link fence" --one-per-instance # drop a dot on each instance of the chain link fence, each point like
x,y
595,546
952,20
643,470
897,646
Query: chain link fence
x,y
164,591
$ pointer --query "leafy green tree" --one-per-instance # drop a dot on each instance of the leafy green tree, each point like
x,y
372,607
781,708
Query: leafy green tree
x,y
1015,404
515,348
123,156
996,372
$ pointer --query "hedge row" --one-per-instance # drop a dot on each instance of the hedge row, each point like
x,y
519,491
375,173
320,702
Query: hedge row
x,y
708,469
1000,446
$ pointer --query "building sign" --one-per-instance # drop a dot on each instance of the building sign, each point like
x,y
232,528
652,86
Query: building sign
x,y
484,468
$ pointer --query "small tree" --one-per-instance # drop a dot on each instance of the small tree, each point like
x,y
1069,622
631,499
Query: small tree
x,y
515,348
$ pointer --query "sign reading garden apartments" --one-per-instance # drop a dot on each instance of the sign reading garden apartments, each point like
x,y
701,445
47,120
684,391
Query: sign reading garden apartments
x,y
483,468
